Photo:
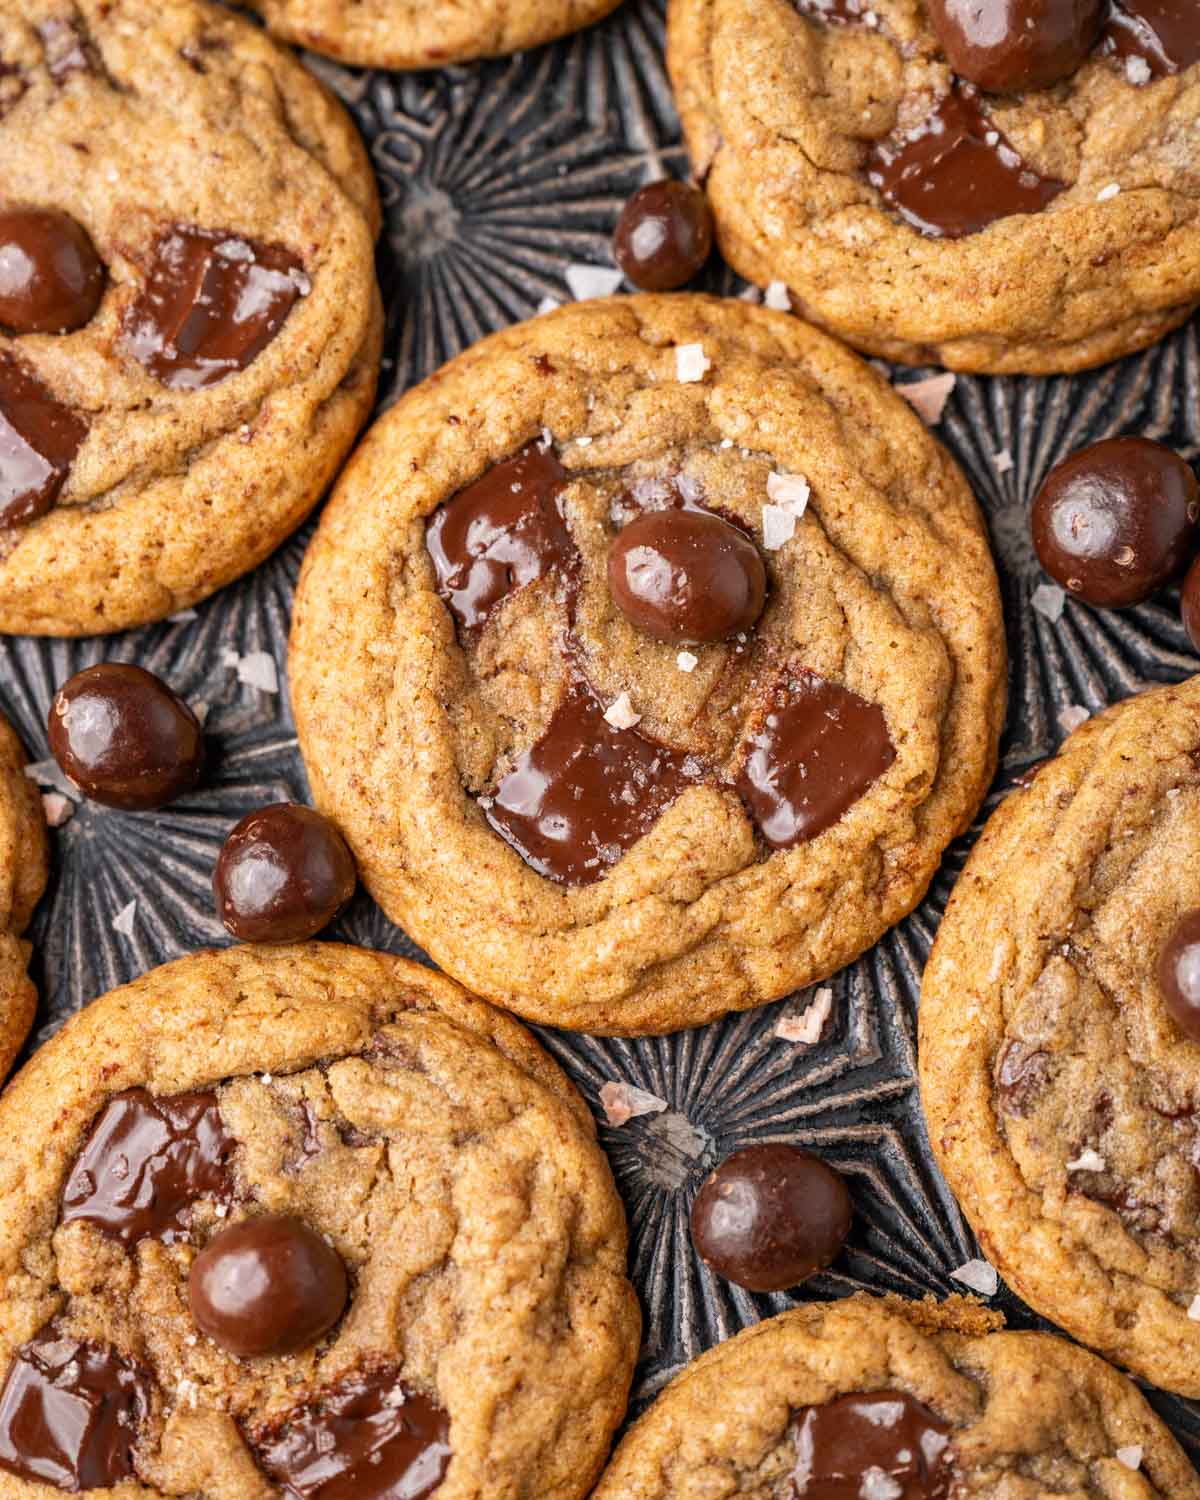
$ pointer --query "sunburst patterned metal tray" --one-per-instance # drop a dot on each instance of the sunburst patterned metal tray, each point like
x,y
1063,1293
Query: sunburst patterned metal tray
x,y
496,180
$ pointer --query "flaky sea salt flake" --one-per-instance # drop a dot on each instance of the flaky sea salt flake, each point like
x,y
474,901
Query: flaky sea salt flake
x,y
1072,717
686,662
58,809
548,305
879,1485
1088,1161
620,713
1106,194
778,297
1048,599
1138,71
592,281
691,363
810,1023
928,397
1002,462
779,526
979,1276
1194,1308
789,492
124,919
258,670
1131,1456
622,1102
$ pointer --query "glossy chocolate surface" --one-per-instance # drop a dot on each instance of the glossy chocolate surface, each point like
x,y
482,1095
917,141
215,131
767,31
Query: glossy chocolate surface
x,y
664,235
39,438
876,1444
71,1412
502,532
1010,46
1165,34
269,1285
283,873
769,1216
145,1162
1116,520
366,1438
1189,604
684,575
1179,974
575,801
51,279
211,304
820,747
125,738
957,173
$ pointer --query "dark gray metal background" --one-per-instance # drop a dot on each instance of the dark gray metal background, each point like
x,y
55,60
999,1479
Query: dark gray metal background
x,y
495,179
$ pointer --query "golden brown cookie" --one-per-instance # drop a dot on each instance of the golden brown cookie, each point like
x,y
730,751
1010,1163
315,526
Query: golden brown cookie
x,y
197,342
920,1400
305,1221
595,827
425,33
1059,1087
800,126
23,866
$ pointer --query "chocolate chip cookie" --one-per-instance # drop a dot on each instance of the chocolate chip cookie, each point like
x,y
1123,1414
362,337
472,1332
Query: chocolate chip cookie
x,y
1059,1052
425,33
23,863
887,1400
189,323
1019,199
648,656
309,1222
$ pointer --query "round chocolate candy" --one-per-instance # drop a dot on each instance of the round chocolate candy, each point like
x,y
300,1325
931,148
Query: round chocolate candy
x,y
1009,46
769,1216
283,874
686,575
267,1286
1179,974
664,235
125,738
51,279
1113,522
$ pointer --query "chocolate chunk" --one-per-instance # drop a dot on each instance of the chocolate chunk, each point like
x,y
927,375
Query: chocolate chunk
x,y
70,1413
1165,34
269,1285
686,575
956,173
882,1444
283,873
819,748
502,532
144,1164
1179,974
124,737
211,304
1008,46
51,278
365,1438
770,1216
1022,1073
39,438
1116,520
664,235
585,792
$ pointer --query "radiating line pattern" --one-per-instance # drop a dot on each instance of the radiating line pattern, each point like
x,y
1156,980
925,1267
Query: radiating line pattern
x,y
495,180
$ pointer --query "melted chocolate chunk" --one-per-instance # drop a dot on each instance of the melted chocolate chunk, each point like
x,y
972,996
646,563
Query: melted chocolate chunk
x,y
1165,34
366,1438
211,304
585,792
39,438
686,575
956,173
70,1413
51,278
819,748
1021,1074
146,1162
770,1216
502,532
843,1445
1009,46
269,1285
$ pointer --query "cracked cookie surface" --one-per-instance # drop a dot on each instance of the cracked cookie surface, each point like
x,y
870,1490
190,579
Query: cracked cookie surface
x,y
1027,1415
416,727
425,33
1059,1091
195,418
424,1135
780,110
23,868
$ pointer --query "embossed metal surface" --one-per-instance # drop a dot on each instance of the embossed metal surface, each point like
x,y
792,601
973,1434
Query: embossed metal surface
x,y
496,179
